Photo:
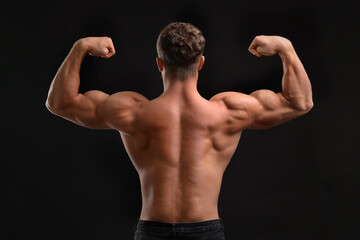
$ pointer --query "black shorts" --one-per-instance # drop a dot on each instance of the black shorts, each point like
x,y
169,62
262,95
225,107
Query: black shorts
x,y
153,230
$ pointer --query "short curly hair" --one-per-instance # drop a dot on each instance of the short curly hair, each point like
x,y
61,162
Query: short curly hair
x,y
180,45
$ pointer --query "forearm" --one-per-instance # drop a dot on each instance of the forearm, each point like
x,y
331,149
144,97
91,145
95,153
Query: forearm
x,y
65,85
296,86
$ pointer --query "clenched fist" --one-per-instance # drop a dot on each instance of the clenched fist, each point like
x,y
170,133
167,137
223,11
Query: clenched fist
x,y
98,46
268,45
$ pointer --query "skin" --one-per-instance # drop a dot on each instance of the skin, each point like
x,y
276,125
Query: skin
x,y
180,143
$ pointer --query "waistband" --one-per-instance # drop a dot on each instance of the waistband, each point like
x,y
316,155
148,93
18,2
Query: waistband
x,y
147,225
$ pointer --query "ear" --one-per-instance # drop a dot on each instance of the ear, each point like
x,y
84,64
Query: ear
x,y
201,62
159,64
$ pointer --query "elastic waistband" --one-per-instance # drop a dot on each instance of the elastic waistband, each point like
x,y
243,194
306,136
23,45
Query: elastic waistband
x,y
179,227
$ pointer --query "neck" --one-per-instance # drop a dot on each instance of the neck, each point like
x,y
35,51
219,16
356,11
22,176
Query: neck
x,y
176,86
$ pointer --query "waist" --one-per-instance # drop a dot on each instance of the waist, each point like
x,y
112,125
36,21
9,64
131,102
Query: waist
x,y
157,226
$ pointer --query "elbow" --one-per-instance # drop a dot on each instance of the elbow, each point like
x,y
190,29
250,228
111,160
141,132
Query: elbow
x,y
306,106
49,106
52,107
303,106
310,105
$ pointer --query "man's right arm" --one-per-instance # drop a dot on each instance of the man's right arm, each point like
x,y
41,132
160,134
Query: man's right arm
x,y
263,108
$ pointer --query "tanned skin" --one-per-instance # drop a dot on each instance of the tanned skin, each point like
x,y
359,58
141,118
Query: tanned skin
x,y
180,143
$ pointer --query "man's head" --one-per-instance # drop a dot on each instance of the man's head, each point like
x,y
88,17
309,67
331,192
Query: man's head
x,y
180,47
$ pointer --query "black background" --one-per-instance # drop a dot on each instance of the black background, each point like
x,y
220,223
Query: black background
x,y
299,180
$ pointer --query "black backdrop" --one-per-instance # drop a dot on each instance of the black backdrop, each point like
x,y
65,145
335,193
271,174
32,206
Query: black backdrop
x,y
296,181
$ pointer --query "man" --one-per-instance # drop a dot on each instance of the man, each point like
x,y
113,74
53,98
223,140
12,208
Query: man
x,y
180,143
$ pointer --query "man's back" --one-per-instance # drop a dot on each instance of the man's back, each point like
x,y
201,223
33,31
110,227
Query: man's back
x,y
180,143
180,150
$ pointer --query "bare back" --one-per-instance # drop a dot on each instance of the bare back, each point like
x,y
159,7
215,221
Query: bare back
x,y
180,143
180,151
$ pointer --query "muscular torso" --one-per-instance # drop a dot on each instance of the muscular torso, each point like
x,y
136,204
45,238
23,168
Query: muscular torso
x,y
180,150
180,143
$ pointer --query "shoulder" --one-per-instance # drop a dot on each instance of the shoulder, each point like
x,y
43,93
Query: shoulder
x,y
120,109
240,109
235,100
129,95
121,103
125,99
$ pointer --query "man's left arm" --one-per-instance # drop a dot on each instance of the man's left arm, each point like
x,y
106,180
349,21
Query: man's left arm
x,y
93,109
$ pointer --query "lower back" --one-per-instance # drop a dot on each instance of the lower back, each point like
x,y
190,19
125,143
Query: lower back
x,y
184,193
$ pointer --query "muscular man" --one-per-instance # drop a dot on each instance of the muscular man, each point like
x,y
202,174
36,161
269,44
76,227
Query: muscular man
x,y
179,142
